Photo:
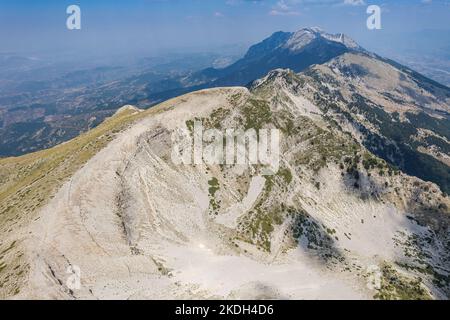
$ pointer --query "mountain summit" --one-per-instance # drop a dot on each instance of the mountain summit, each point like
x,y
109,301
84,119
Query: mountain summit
x,y
296,42
303,37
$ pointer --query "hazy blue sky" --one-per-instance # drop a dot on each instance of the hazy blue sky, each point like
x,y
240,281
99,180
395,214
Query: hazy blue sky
x,y
151,25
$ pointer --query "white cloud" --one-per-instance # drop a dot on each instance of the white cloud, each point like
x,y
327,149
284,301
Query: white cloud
x,y
283,13
284,8
354,2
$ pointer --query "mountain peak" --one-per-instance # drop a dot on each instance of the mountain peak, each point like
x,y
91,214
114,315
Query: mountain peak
x,y
305,36
298,40
286,50
272,76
